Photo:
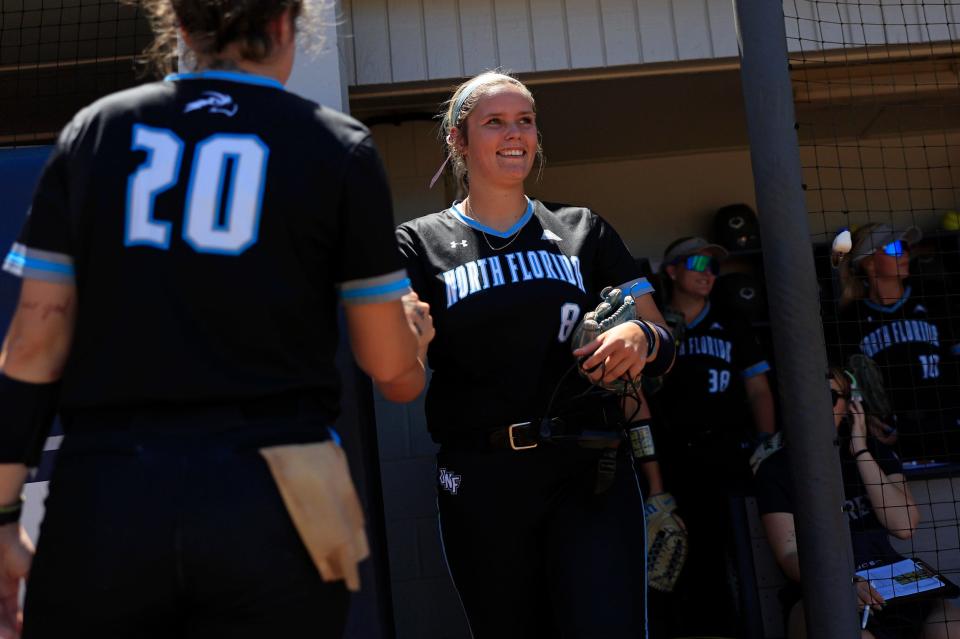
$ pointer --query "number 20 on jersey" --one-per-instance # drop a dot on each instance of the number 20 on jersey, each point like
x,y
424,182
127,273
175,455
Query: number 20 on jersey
x,y
214,222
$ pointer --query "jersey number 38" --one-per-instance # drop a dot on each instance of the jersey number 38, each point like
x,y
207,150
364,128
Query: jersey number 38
x,y
206,228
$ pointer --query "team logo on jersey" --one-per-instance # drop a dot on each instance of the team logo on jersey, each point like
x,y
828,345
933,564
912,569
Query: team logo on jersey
x,y
450,482
214,102
461,243
707,346
900,332
511,268
550,236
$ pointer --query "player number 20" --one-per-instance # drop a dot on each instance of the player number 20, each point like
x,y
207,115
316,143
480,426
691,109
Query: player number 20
x,y
205,227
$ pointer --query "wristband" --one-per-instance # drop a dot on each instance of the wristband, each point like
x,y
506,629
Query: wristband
x,y
649,334
28,412
11,514
641,440
666,351
860,452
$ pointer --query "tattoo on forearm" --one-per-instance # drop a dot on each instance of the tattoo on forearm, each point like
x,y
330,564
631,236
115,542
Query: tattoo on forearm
x,y
46,309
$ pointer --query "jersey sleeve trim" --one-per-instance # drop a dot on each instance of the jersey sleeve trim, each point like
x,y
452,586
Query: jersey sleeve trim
x,y
760,367
35,264
956,349
637,288
369,290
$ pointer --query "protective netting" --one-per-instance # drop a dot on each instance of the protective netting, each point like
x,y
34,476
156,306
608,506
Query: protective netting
x,y
877,96
57,56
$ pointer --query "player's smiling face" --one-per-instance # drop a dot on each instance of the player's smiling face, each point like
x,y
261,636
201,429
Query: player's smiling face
x,y
502,137
693,282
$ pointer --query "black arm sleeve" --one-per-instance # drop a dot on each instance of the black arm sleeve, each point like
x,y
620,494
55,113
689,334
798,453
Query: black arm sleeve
x,y
773,487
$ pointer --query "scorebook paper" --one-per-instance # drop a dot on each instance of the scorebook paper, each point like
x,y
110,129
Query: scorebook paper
x,y
901,579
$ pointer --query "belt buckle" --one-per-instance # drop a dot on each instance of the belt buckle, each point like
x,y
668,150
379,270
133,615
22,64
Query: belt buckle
x,y
513,444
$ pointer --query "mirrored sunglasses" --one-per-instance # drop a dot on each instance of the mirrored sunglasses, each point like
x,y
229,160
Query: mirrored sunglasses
x,y
702,264
894,249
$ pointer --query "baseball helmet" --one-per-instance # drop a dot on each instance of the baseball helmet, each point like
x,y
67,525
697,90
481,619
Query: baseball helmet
x,y
742,293
736,228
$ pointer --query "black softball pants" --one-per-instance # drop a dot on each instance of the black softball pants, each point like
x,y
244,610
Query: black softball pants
x,y
173,527
533,552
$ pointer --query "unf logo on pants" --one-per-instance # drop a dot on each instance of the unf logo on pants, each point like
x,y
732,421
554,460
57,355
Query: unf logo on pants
x,y
450,482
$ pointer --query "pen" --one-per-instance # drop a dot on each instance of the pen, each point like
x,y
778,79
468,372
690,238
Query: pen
x,y
863,619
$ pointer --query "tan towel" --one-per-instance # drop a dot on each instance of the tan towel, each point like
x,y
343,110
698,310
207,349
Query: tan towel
x,y
315,483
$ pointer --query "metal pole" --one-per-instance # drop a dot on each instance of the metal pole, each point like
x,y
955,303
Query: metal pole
x,y
823,535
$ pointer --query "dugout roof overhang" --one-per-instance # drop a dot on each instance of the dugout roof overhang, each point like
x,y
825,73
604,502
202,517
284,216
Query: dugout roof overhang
x,y
50,69
675,108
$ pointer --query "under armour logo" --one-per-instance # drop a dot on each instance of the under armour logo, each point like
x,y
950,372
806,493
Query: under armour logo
x,y
215,102
455,244
920,308
450,482
716,326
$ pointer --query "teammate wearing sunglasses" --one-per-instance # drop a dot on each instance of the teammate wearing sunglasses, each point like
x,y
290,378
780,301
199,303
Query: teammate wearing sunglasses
x,y
908,328
702,427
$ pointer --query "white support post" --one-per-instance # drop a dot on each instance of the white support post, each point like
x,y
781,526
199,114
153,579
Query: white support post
x,y
319,75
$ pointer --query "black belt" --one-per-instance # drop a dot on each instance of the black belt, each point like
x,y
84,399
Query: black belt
x,y
528,435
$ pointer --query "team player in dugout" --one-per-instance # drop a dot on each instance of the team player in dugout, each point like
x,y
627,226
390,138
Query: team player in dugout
x,y
536,546
703,429
909,328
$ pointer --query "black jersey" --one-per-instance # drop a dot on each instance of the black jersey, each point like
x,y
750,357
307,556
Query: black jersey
x,y
210,223
504,305
705,390
871,541
914,343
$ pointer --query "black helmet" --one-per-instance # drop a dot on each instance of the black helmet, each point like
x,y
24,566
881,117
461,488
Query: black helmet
x,y
742,293
736,228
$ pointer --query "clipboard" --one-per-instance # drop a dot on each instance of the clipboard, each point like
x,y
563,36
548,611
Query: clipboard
x,y
908,580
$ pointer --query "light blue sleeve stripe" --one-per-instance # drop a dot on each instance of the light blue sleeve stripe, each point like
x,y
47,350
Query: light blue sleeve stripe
x,y
374,291
30,263
956,349
760,367
335,436
637,287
